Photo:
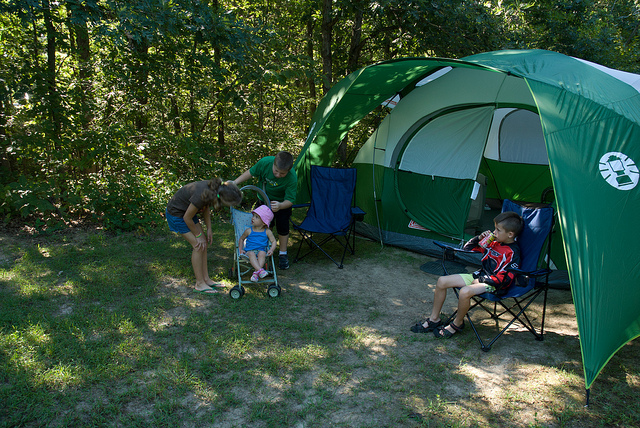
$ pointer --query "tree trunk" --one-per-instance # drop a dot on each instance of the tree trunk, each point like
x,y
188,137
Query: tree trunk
x,y
5,102
52,90
139,49
356,40
222,150
355,47
175,116
312,82
325,50
260,87
193,114
85,72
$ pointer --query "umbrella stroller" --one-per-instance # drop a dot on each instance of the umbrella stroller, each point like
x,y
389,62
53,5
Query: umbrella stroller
x,y
241,220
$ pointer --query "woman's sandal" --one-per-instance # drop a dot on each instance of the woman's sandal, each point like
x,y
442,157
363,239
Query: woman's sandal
x,y
431,326
443,332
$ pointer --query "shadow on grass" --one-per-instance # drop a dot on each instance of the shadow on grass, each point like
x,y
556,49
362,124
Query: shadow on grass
x,y
104,330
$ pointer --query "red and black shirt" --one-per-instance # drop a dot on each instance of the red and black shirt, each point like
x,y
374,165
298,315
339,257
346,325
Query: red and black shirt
x,y
496,259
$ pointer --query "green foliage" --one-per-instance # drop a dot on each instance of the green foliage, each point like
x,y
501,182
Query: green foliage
x,y
26,200
106,108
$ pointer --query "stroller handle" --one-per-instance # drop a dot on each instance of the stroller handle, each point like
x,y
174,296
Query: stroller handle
x,y
262,193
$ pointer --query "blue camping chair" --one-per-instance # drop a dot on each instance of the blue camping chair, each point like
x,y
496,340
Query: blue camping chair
x,y
531,281
331,212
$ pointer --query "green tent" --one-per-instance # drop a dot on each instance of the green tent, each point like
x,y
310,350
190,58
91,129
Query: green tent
x,y
524,121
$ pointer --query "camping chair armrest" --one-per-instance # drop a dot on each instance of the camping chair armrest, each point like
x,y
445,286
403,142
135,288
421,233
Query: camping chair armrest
x,y
301,205
357,213
452,248
535,273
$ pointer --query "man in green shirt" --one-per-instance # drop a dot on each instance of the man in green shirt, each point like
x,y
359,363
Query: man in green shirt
x,y
280,183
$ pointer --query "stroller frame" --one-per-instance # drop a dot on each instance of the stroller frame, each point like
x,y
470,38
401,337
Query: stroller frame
x,y
241,220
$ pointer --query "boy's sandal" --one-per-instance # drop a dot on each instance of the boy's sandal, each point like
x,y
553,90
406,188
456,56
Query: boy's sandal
x,y
444,333
431,326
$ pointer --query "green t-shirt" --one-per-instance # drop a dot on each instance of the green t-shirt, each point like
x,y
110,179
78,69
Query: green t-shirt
x,y
277,189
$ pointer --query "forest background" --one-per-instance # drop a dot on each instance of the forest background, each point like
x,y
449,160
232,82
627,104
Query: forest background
x,y
107,107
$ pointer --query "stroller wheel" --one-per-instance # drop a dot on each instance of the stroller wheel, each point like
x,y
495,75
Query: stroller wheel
x,y
236,292
273,291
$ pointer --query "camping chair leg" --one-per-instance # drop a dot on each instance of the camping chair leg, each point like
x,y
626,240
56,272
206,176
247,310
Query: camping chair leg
x,y
448,254
352,235
544,312
483,346
468,316
527,323
316,246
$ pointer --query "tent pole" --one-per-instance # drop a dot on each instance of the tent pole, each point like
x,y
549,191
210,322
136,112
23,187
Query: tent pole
x,y
373,178
375,196
588,393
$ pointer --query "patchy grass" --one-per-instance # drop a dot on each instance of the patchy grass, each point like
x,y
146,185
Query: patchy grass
x,y
100,329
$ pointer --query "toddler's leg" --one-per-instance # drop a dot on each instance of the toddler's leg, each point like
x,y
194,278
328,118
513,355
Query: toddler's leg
x,y
262,257
253,260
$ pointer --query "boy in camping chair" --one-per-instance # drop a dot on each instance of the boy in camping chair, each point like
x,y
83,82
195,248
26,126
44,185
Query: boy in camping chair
x,y
500,251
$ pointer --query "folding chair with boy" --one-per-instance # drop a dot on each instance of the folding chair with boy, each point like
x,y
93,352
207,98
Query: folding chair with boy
x,y
532,277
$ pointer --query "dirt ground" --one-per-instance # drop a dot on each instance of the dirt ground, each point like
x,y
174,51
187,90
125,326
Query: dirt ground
x,y
379,294
524,380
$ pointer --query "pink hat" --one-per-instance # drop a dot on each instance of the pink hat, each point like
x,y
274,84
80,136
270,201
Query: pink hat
x,y
265,214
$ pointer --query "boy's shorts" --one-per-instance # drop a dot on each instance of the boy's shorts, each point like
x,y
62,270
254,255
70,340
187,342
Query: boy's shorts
x,y
282,221
177,224
468,280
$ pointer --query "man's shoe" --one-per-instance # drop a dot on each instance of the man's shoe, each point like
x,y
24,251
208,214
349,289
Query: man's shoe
x,y
284,261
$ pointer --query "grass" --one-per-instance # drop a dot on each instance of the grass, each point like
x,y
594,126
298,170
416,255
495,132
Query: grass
x,y
99,329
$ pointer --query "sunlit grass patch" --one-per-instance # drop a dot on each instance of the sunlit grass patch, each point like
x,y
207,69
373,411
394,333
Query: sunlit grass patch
x,y
111,334
23,348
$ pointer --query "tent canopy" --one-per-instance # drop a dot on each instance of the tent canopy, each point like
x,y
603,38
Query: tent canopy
x,y
589,117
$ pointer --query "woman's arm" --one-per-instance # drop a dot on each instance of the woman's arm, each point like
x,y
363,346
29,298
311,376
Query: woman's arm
x,y
207,221
189,214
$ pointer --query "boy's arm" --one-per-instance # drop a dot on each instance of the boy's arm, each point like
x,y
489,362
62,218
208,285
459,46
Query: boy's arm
x,y
472,244
243,177
291,191
289,196
277,206
501,278
272,239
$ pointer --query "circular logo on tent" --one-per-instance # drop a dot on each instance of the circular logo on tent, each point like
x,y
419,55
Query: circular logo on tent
x,y
619,170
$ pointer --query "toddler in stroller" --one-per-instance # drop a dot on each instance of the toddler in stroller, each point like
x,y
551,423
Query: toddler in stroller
x,y
255,244
255,241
